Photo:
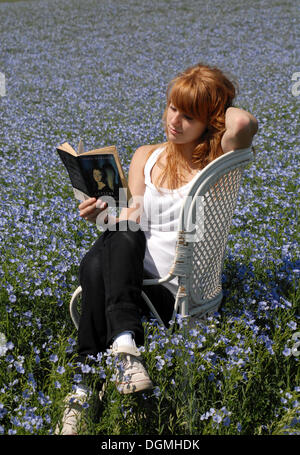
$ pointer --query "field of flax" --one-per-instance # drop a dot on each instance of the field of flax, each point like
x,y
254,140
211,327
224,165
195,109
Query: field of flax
x,y
99,70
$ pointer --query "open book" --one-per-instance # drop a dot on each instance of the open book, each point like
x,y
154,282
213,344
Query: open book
x,y
97,173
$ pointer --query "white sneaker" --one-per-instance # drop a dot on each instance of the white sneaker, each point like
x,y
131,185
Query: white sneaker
x,y
72,418
131,375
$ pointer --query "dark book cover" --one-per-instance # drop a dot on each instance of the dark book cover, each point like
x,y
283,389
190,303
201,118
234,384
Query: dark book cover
x,y
97,173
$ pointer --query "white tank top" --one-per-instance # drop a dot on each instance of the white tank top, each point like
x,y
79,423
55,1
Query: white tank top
x,y
159,221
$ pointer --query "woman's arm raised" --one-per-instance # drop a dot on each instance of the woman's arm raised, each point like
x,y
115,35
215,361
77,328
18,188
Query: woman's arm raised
x,y
240,126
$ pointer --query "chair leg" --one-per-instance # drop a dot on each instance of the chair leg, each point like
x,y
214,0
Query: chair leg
x,y
75,316
152,308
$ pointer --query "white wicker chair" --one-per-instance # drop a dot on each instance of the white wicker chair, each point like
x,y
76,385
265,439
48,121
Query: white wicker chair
x,y
201,243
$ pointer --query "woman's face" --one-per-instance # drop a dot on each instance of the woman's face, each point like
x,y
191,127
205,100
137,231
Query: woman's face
x,y
97,175
182,129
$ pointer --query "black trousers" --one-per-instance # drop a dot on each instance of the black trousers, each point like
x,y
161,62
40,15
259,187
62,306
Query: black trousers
x,y
111,276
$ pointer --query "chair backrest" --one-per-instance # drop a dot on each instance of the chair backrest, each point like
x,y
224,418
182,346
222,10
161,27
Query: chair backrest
x,y
204,225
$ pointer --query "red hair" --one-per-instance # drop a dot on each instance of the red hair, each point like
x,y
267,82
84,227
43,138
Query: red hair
x,y
203,93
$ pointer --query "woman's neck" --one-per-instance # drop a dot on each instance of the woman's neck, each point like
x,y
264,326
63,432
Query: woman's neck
x,y
187,151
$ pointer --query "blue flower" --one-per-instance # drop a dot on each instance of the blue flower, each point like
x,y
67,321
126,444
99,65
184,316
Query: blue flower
x,y
31,380
292,325
86,368
226,421
156,392
193,333
53,358
19,367
160,362
60,369
217,418
12,298
57,384
286,352
10,345
3,411
77,378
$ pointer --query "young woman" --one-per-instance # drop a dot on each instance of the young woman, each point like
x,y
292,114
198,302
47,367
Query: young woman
x,y
200,125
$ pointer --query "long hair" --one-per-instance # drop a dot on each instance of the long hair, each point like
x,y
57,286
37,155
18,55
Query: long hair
x,y
204,93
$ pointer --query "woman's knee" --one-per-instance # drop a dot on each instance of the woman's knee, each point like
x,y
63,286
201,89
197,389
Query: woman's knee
x,y
90,266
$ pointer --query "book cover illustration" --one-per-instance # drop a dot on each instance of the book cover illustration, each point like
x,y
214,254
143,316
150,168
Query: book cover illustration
x,y
96,173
